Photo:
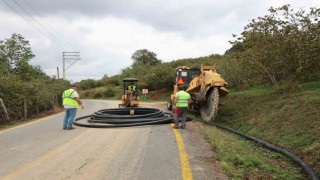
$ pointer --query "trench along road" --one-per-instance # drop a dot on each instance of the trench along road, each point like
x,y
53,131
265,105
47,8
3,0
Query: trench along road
x,y
42,150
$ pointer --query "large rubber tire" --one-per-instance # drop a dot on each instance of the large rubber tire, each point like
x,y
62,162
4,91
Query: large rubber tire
x,y
169,104
209,108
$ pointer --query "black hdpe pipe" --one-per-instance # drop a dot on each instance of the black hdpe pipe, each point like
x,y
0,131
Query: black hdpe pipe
x,y
120,117
311,173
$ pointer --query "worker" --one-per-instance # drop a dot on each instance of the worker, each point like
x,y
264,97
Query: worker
x,y
132,87
181,103
71,101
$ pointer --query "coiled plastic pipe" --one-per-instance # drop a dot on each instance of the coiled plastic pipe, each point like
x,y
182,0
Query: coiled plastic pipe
x,y
120,117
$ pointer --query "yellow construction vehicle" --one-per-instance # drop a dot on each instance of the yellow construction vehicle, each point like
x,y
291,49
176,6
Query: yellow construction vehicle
x,y
130,95
204,85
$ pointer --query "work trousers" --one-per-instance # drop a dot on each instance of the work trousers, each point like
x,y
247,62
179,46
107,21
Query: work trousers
x,y
69,117
180,116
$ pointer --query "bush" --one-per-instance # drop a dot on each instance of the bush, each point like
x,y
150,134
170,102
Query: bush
x,y
109,92
84,94
287,88
97,94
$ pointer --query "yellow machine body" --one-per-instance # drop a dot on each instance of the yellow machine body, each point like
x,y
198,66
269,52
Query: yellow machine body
x,y
204,85
130,98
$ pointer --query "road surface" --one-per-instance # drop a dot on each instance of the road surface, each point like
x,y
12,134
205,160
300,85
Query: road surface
x,y
42,150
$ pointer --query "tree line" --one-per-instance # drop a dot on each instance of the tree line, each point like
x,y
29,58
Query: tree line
x,y
25,90
281,48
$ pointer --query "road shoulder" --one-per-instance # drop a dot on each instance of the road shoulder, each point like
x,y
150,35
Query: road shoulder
x,y
201,156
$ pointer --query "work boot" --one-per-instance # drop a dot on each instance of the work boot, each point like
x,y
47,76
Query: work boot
x,y
175,127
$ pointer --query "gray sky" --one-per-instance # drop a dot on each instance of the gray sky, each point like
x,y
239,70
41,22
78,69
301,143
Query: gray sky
x,y
107,33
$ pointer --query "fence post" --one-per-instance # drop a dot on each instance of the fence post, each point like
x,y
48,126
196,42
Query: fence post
x,y
5,110
25,108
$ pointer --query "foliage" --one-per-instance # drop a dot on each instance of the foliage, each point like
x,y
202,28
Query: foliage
x,y
15,53
159,78
101,92
282,46
163,75
110,92
97,94
113,80
87,84
144,56
24,86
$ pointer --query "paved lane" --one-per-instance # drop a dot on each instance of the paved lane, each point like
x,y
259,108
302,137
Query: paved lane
x,y
42,150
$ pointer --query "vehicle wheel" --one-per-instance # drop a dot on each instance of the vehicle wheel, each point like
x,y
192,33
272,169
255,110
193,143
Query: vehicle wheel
x,y
169,104
209,108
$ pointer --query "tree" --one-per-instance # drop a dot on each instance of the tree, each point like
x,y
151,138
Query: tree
x,y
281,46
87,84
15,53
144,56
23,87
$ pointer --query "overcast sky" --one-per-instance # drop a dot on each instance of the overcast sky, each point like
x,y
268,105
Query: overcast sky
x,y
107,33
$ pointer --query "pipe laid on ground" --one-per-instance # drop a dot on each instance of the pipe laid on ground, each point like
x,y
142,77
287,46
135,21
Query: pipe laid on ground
x,y
311,173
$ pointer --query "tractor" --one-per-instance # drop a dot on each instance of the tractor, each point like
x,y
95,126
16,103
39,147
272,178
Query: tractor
x,y
130,95
204,85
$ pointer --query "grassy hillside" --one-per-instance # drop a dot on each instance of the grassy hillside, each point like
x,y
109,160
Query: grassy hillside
x,y
288,117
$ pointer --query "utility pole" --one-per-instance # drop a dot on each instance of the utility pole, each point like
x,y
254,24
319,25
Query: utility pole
x,y
58,72
71,58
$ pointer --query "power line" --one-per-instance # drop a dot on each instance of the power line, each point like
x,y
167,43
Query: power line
x,y
16,11
38,14
52,35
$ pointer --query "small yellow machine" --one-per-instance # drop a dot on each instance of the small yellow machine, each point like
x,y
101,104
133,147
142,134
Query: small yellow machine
x,y
130,95
204,85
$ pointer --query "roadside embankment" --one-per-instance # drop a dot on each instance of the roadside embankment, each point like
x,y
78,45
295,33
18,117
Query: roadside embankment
x,y
288,118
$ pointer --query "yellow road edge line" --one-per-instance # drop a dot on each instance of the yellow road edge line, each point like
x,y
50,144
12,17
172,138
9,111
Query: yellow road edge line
x,y
44,157
31,122
185,165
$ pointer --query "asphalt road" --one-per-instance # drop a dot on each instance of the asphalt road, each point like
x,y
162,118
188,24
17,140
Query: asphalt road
x,y
42,150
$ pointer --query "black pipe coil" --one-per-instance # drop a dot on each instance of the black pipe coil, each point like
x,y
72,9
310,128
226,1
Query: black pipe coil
x,y
307,169
120,117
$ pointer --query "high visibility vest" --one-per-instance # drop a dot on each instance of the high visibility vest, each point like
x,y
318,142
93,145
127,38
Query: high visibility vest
x,y
132,87
68,99
183,98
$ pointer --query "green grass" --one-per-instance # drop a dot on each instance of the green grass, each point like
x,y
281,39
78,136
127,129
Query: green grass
x,y
242,159
252,92
287,119
310,86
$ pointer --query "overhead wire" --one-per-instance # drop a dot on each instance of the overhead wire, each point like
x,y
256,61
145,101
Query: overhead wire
x,y
48,25
29,22
35,20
